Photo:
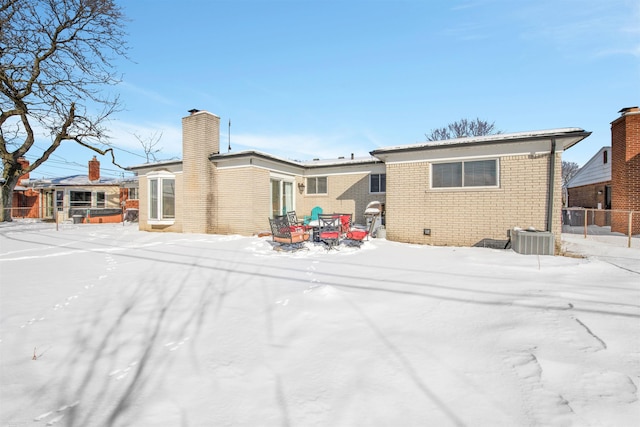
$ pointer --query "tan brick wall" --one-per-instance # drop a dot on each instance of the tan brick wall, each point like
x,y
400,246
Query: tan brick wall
x,y
464,217
242,201
346,194
200,139
143,212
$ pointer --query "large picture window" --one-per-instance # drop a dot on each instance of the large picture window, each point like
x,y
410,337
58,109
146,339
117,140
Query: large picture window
x,y
162,199
317,185
477,173
378,183
80,199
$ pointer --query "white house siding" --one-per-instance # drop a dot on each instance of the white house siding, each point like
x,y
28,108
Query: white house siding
x,y
594,171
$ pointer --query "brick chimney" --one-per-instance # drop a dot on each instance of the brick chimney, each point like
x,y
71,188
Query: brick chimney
x,y
200,139
625,169
24,164
94,169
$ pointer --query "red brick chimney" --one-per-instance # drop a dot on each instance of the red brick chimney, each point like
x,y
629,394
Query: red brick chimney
x,y
24,164
94,169
625,169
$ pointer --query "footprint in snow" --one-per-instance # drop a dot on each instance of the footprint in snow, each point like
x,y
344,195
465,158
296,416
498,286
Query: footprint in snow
x,y
173,346
60,413
121,373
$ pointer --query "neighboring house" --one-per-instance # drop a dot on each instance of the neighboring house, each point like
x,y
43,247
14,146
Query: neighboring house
x,y
129,198
611,178
457,192
89,198
26,201
590,187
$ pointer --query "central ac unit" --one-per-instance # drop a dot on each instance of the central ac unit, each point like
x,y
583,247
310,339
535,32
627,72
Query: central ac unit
x,y
532,242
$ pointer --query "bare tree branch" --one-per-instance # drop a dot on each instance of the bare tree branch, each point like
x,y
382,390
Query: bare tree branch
x,y
569,169
461,129
56,59
149,145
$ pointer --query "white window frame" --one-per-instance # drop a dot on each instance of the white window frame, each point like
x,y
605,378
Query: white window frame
x,y
463,186
132,193
103,203
379,175
283,183
84,204
160,178
326,178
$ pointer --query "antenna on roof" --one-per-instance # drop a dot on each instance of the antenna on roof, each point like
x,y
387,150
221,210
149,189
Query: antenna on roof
x,y
229,135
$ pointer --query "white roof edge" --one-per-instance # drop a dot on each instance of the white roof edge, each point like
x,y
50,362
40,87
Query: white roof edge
x,y
500,137
150,165
301,163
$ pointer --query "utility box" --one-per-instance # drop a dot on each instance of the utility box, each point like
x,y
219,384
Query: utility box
x,y
532,242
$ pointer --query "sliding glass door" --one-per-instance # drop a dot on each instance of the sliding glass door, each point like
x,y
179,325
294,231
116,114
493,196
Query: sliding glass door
x,y
281,196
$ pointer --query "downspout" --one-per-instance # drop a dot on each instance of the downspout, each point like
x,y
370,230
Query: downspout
x,y
552,181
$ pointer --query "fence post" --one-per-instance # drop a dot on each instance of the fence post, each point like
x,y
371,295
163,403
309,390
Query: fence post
x,y
586,212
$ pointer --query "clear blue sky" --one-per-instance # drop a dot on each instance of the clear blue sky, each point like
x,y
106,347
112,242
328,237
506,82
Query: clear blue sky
x,y
327,78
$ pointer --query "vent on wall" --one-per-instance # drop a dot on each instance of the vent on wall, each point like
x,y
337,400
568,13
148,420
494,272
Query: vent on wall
x,y
529,242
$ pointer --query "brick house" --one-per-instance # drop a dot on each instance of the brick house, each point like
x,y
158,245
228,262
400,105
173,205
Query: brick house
x,y
90,197
590,187
212,192
611,178
463,191
509,180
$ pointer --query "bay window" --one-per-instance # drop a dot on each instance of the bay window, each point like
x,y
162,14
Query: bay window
x,y
162,198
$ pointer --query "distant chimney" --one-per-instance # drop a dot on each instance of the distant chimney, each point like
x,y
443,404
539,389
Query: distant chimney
x,y
628,110
24,164
94,169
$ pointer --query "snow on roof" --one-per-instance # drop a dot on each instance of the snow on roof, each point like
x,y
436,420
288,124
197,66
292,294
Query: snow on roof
x,y
75,180
154,164
303,163
498,138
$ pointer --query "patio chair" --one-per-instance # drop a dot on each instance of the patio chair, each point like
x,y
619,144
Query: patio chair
x,y
353,236
329,229
345,223
282,231
294,222
317,210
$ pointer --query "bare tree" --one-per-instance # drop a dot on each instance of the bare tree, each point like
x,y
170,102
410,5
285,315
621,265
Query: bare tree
x,y
569,169
149,145
56,61
463,128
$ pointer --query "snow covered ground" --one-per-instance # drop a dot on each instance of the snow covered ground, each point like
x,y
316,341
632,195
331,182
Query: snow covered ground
x,y
107,325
